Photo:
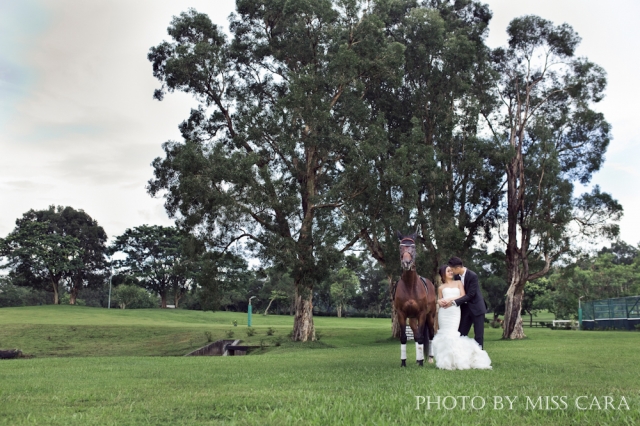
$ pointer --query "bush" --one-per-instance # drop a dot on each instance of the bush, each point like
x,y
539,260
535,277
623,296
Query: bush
x,y
637,327
251,331
14,296
209,336
229,334
270,331
134,297
65,298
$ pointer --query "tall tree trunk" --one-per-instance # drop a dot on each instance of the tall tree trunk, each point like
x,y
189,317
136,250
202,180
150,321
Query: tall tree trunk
x,y
517,274
176,298
163,300
74,292
513,306
339,309
266,311
56,298
303,329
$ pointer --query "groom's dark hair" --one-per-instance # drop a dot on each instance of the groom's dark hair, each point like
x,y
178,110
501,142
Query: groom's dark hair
x,y
455,261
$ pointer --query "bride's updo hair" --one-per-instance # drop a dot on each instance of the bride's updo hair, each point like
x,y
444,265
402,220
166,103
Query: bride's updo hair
x,y
443,273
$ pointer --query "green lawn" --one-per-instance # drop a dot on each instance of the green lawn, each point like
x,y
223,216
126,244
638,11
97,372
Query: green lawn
x,y
94,366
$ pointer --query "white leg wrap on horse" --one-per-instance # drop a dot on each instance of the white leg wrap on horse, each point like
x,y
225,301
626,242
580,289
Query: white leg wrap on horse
x,y
403,351
431,348
419,352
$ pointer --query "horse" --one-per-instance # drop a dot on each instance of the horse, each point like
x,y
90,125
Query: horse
x,y
414,298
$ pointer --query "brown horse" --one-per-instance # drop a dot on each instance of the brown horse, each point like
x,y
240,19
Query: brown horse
x,y
415,298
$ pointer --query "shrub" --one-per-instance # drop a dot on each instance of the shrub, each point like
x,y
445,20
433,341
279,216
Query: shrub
x,y
12,295
133,297
230,334
278,341
209,336
251,331
637,327
270,331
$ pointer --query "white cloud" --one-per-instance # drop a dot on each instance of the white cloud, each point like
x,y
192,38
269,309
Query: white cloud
x,y
79,127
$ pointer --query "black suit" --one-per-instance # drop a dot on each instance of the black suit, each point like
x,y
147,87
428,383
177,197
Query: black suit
x,y
472,307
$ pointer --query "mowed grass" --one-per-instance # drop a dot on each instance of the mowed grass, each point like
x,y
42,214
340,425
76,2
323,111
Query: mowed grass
x,y
352,376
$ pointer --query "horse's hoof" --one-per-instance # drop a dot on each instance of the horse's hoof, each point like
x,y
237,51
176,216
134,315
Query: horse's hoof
x,y
404,363
430,360
420,363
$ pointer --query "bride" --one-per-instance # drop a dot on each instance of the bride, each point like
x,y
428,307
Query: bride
x,y
451,350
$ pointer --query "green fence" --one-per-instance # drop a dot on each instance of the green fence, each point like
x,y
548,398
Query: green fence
x,y
618,313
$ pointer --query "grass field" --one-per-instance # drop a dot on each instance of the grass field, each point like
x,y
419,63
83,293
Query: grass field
x,y
97,366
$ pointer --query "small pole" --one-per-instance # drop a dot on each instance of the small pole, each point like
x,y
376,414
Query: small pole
x,y
249,312
110,280
580,312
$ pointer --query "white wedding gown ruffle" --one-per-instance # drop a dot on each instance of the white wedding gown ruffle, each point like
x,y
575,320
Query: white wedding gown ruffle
x,y
451,350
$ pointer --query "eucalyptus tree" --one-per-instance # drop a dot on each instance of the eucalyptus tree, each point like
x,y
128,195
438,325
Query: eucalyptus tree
x,y
544,119
430,169
274,147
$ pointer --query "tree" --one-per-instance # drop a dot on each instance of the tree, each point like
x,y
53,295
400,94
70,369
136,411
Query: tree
x,y
274,147
543,120
592,278
38,257
92,240
343,288
126,295
492,274
275,295
57,246
154,256
430,170
533,300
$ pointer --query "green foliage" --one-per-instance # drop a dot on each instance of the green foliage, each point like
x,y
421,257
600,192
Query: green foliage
x,y
609,274
12,295
274,147
208,336
56,246
250,331
39,257
229,334
154,257
271,331
543,120
343,288
133,297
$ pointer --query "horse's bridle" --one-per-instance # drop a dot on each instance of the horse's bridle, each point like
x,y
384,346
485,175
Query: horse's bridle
x,y
408,245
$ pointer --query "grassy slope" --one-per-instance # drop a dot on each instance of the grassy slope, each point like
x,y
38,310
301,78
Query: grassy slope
x,y
351,376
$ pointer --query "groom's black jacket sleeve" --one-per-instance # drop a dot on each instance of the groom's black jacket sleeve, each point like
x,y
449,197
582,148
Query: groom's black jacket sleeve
x,y
473,297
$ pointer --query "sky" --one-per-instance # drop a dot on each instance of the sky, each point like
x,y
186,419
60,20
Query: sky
x,y
79,126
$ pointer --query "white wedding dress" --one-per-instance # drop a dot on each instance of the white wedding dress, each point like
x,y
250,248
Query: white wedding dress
x,y
452,351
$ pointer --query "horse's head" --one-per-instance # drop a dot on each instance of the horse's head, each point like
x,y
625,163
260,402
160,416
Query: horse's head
x,y
407,251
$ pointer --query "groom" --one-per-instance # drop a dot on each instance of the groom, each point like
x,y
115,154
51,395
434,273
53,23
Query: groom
x,y
472,306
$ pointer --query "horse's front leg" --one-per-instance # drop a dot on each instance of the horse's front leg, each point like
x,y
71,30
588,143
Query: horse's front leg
x,y
430,333
402,321
420,340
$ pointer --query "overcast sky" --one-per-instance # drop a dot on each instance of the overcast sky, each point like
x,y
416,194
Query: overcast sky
x,y
79,127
